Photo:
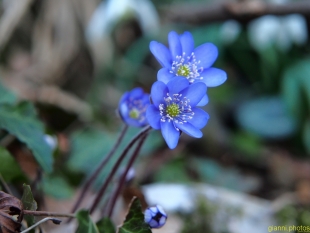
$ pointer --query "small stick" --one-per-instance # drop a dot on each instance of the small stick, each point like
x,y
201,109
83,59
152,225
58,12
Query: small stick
x,y
46,213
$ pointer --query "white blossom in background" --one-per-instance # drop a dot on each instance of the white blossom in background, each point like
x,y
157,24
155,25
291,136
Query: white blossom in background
x,y
110,12
51,141
229,31
282,31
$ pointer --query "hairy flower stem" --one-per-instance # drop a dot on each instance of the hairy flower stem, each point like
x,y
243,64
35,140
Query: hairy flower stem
x,y
46,213
116,166
122,180
95,174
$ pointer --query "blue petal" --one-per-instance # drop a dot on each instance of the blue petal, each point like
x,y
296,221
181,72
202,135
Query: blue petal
x,y
203,101
161,53
147,215
145,99
187,43
123,110
158,92
174,44
170,134
213,77
134,122
195,92
153,116
136,93
200,118
189,129
177,84
206,54
164,75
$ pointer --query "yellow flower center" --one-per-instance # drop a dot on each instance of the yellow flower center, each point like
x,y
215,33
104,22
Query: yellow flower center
x,y
183,70
173,110
134,114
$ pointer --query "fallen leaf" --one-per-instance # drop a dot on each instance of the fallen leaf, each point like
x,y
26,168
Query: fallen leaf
x,y
10,206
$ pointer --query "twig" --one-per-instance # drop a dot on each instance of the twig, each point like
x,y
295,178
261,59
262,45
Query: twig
x,y
115,167
46,213
94,176
123,176
55,220
237,10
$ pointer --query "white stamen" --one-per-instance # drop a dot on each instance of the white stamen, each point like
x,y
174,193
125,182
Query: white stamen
x,y
190,63
185,110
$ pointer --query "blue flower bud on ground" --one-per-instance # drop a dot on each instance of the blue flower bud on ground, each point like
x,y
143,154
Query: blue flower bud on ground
x,y
183,59
174,109
155,216
132,107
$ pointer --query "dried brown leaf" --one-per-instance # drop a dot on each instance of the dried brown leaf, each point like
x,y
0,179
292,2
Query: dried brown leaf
x,y
10,206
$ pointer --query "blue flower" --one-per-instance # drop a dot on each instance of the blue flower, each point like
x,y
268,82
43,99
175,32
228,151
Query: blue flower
x,y
182,59
174,109
155,216
132,107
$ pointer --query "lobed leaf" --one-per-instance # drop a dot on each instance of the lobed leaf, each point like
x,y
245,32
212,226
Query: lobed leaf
x,y
105,225
86,225
134,222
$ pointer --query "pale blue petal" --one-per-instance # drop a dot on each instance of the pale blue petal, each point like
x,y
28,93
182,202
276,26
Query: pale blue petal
x,y
200,118
213,77
164,75
189,129
170,134
203,101
123,110
187,42
174,44
206,54
177,84
161,53
153,116
195,93
158,92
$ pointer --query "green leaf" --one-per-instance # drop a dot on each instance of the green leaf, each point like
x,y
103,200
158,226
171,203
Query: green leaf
x,y
29,204
291,93
173,172
105,225
7,96
9,168
86,225
22,122
134,222
27,199
57,187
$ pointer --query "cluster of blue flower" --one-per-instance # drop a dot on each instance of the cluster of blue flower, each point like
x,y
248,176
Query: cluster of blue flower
x,y
173,105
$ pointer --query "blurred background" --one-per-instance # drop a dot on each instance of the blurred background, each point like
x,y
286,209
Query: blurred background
x,y
64,65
